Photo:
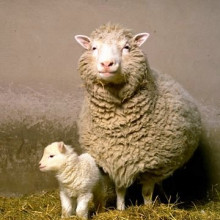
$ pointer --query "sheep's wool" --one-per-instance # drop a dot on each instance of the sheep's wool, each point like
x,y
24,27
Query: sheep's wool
x,y
145,128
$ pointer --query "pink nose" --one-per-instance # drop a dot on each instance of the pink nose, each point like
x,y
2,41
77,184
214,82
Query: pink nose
x,y
107,64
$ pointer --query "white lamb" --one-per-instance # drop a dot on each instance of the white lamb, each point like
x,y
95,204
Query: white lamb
x,y
79,179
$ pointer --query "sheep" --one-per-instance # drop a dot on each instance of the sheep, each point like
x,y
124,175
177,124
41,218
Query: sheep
x,y
138,124
79,178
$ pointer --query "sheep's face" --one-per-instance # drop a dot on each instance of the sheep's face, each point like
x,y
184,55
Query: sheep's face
x,y
112,54
53,158
107,57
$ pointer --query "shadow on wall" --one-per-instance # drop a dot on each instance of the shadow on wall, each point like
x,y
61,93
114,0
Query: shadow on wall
x,y
32,119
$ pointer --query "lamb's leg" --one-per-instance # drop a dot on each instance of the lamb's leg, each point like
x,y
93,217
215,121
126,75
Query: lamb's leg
x,y
66,202
82,209
147,192
120,192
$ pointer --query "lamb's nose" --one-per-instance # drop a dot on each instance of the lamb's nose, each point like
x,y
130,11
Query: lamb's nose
x,y
107,63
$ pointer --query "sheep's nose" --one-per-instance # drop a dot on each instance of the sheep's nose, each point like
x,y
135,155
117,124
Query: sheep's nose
x,y
107,63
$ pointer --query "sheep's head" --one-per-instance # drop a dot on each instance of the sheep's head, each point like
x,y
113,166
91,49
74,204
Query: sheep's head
x,y
54,157
113,55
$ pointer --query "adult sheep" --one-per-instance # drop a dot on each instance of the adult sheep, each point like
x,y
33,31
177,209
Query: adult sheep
x,y
136,123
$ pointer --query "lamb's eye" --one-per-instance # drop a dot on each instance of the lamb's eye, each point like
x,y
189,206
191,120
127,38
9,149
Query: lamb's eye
x,y
94,48
51,156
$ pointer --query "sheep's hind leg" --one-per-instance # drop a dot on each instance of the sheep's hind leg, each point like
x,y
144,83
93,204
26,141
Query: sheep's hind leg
x,y
147,192
120,192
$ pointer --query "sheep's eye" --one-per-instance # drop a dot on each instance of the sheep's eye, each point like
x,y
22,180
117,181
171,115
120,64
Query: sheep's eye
x,y
126,48
94,48
51,156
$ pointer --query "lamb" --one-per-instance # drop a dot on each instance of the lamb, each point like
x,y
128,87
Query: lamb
x,y
79,179
138,124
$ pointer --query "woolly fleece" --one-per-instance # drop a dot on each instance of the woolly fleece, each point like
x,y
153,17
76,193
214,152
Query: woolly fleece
x,y
143,129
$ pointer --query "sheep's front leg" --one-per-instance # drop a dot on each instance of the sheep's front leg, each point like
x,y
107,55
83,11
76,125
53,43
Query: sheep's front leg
x,y
83,205
147,192
120,192
67,206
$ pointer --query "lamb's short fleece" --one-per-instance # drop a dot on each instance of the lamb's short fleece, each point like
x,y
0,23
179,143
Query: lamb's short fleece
x,y
79,178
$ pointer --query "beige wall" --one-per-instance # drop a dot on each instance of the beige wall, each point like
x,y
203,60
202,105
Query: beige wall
x,y
37,50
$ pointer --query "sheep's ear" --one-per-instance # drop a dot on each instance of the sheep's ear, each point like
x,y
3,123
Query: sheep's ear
x,y
141,38
83,40
61,147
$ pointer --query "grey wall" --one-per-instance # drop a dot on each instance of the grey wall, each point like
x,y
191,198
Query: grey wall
x,y
40,89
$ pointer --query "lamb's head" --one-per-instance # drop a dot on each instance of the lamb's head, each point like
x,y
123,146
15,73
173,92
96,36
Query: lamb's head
x,y
112,55
54,157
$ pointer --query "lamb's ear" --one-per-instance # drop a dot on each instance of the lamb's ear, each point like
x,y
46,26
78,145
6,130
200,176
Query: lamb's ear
x,y
141,38
61,147
83,40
